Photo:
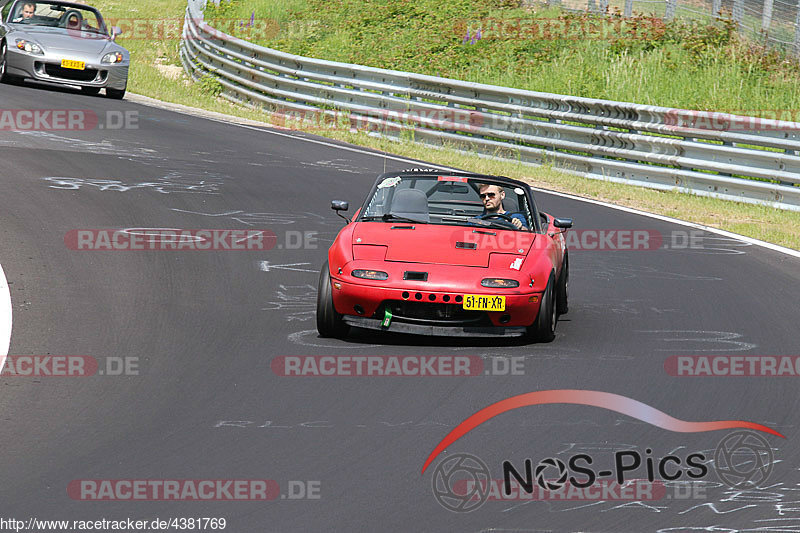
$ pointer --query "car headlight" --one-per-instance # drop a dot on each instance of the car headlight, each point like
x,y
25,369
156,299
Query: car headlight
x,y
370,274
113,57
28,46
499,283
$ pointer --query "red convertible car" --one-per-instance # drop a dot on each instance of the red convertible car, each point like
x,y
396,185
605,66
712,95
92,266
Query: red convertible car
x,y
446,253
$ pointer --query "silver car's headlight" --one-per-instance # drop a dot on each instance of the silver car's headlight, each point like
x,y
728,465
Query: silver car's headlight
x,y
113,57
30,47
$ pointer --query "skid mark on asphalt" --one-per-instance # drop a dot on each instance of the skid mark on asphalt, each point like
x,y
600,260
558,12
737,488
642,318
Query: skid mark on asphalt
x,y
266,266
105,146
685,340
717,245
174,182
295,302
310,337
329,424
256,219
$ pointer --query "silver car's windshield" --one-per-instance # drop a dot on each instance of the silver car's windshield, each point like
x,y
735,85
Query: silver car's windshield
x,y
57,15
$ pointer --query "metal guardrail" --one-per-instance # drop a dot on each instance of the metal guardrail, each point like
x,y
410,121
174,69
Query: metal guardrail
x,y
713,154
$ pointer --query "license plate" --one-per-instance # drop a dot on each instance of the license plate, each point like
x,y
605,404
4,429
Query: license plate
x,y
477,302
71,63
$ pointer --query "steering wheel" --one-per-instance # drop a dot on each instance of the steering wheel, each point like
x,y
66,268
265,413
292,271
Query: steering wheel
x,y
504,217
73,13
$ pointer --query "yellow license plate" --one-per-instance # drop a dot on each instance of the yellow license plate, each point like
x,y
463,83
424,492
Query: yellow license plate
x,y
71,63
479,302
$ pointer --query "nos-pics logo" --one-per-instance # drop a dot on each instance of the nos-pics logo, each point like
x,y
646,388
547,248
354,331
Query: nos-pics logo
x,y
462,482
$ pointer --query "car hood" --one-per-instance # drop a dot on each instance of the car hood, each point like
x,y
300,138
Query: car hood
x,y
57,39
444,245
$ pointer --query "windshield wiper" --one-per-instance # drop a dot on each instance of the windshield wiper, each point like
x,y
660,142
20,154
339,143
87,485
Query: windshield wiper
x,y
491,224
397,218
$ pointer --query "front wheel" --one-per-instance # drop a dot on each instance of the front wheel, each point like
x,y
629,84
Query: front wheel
x,y
116,94
4,64
5,77
544,328
329,322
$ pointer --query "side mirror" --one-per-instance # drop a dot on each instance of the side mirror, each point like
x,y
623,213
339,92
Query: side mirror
x,y
340,205
564,223
115,30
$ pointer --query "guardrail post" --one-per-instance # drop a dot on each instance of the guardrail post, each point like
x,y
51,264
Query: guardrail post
x,y
766,17
716,7
669,14
628,8
738,10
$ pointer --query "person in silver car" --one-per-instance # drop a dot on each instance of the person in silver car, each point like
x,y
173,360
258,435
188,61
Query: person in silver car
x,y
28,9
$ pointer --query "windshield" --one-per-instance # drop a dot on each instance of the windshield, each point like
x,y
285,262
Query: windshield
x,y
57,15
450,200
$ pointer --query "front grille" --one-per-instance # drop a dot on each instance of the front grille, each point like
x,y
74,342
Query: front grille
x,y
431,312
56,71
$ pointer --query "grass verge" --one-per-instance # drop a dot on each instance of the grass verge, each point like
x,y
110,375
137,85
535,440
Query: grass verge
x,y
686,64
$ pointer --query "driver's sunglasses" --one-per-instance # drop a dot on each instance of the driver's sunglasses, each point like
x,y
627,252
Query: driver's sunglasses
x,y
485,194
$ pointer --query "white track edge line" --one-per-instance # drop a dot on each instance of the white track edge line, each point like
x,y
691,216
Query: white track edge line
x,y
5,318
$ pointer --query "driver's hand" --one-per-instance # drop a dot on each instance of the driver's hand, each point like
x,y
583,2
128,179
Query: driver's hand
x,y
517,223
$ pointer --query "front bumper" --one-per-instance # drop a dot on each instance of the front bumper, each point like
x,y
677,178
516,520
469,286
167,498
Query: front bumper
x,y
47,68
398,326
428,311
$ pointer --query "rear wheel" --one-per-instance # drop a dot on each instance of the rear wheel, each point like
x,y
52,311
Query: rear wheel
x,y
562,304
329,322
544,328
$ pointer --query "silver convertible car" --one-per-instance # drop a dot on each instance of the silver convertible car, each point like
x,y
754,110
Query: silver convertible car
x,y
61,42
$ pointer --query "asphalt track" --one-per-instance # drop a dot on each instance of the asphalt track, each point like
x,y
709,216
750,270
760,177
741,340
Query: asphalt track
x,y
205,326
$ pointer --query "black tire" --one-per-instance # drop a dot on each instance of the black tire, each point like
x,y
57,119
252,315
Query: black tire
x,y
90,90
562,300
3,63
329,322
115,94
544,328
5,77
